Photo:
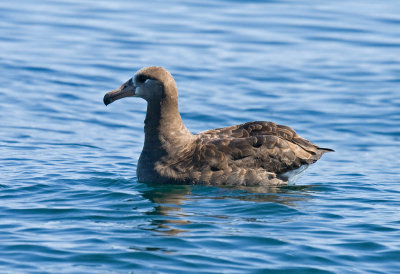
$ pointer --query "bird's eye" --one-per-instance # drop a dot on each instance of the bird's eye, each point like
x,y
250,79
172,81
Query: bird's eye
x,y
141,78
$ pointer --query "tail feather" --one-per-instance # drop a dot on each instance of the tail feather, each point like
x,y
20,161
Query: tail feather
x,y
324,150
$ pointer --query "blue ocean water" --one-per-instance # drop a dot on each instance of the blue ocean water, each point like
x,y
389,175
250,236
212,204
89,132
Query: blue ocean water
x,y
70,199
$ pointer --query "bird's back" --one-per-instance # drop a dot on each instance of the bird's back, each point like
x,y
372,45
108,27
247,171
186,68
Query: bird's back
x,y
254,153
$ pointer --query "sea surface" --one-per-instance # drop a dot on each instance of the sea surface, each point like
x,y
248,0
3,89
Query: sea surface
x,y
70,201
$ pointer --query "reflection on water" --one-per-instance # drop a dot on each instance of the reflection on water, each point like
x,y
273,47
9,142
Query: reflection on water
x,y
169,215
166,211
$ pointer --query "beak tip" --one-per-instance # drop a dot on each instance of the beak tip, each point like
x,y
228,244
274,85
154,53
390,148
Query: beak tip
x,y
107,99
127,89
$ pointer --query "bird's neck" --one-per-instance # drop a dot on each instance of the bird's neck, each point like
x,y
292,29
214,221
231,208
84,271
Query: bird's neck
x,y
164,129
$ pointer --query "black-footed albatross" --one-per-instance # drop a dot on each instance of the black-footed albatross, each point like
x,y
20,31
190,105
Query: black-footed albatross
x,y
251,154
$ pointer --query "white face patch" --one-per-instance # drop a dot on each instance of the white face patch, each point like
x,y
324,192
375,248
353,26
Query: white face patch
x,y
148,90
138,91
144,89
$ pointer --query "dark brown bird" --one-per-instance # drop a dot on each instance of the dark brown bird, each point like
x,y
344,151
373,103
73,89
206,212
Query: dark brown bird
x,y
250,154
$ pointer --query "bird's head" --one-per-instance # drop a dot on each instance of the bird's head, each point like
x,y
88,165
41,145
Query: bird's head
x,y
150,83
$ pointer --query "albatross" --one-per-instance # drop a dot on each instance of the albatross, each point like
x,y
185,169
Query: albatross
x,y
255,153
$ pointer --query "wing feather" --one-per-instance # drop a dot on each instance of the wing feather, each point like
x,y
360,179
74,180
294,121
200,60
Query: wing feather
x,y
275,148
254,153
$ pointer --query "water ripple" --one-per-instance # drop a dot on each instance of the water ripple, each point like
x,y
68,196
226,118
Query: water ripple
x,y
70,198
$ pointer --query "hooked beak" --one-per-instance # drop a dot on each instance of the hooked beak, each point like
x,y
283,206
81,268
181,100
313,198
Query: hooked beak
x,y
126,90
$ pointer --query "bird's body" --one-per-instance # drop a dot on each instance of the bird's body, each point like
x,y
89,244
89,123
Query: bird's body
x,y
251,154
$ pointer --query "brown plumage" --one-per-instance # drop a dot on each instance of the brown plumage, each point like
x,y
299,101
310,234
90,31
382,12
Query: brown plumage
x,y
250,154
